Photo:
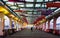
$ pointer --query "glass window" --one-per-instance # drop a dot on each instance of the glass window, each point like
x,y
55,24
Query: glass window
x,y
39,0
37,5
10,3
29,5
22,8
13,7
50,0
5,0
43,5
21,5
35,13
39,13
35,10
29,12
29,0
46,0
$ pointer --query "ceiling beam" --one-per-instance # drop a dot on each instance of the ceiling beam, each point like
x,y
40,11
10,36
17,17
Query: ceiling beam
x,y
34,8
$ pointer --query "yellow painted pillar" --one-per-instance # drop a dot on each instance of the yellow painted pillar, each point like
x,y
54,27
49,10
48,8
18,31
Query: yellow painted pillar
x,y
10,23
14,24
48,24
1,24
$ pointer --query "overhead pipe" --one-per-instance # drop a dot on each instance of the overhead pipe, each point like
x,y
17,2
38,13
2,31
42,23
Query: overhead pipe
x,y
53,14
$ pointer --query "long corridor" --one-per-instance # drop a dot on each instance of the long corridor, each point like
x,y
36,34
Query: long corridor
x,y
19,17
32,34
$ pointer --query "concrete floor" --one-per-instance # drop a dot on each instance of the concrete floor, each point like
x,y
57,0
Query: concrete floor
x,y
32,34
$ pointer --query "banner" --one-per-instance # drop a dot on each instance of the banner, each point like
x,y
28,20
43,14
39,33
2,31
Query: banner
x,y
53,4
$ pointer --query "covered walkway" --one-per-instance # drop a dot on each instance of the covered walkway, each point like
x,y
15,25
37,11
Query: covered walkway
x,y
32,34
17,17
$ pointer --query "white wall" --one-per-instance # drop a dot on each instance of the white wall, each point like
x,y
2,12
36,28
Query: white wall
x,y
6,23
58,23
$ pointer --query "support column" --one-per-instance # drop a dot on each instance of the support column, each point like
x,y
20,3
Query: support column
x,y
54,23
15,27
1,24
48,24
54,26
44,26
14,24
10,23
19,26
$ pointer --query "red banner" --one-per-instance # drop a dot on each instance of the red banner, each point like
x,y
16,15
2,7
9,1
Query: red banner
x,y
16,0
53,4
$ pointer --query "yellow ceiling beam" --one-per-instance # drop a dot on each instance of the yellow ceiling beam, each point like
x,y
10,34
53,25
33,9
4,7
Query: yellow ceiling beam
x,y
4,10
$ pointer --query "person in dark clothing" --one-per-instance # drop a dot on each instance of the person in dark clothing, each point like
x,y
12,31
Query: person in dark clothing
x,y
31,28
